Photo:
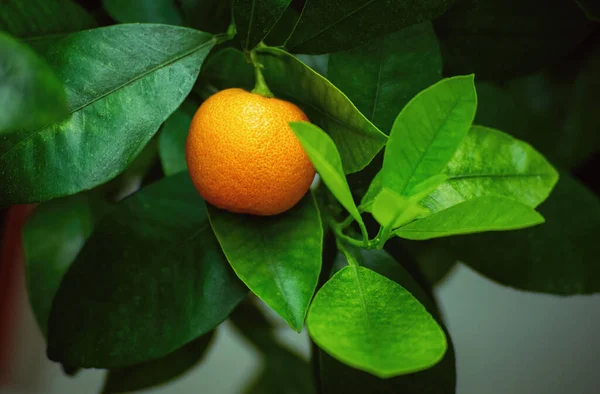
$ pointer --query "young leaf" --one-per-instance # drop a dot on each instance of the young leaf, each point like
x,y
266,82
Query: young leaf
x,y
372,323
503,39
212,16
490,162
277,257
144,11
160,371
150,279
324,155
427,132
357,139
31,95
392,210
118,93
329,26
559,257
487,213
172,139
382,76
255,18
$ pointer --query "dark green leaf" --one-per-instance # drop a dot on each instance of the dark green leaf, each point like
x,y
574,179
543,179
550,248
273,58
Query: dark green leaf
x,y
150,279
172,139
122,82
502,39
427,133
277,257
31,95
490,162
558,257
255,18
283,28
160,371
487,213
331,25
372,323
324,156
213,16
357,139
144,11
382,76
591,8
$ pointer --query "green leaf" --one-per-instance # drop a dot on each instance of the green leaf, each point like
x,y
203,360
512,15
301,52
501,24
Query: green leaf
x,y
490,162
160,371
173,137
254,19
150,279
591,9
213,16
503,39
372,323
52,238
329,26
336,377
31,95
392,210
144,11
33,20
357,139
277,257
559,257
487,213
323,154
283,28
382,76
122,83
427,133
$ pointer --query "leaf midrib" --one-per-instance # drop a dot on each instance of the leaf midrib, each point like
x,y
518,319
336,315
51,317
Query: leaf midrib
x,y
491,175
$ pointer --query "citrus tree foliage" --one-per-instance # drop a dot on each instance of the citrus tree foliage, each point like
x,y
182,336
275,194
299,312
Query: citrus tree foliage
x,y
427,131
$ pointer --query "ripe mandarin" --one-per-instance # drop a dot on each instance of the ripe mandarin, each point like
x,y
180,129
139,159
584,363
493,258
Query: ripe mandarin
x,y
243,156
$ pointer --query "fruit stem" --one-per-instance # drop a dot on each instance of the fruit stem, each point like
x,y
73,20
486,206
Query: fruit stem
x,y
261,85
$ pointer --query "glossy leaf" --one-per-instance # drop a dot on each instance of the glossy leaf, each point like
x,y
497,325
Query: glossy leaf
x,y
490,162
255,18
213,16
277,257
39,20
357,139
503,39
392,210
283,28
558,257
160,371
150,279
144,11
330,25
382,76
31,95
323,154
371,323
427,133
591,8
487,213
172,140
118,94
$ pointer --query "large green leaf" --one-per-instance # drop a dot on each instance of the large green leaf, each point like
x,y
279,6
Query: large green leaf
x,y
207,15
144,11
502,39
490,162
324,156
427,133
33,20
372,323
331,25
255,18
382,76
160,371
150,279
173,137
440,379
31,95
277,257
558,257
122,82
356,138
487,213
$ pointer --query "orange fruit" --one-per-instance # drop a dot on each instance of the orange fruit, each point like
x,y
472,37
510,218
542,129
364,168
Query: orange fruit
x,y
243,156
